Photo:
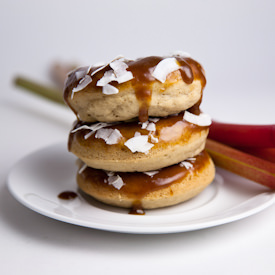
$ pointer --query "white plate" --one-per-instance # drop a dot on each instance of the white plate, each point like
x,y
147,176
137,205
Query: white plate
x,y
36,181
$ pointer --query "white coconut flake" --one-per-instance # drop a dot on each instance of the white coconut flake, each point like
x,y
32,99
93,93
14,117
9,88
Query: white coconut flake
x,y
89,134
126,76
81,72
114,137
103,133
105,65
93,128
191,159
154,119
109,90
110,76
110,136
151,127
200,120
110,173
83,127
107,78
151,173
144,124
115,181
137,134
83,167
83,83
153,139
99,69
120,71
119,67
165,67
139,144
186,164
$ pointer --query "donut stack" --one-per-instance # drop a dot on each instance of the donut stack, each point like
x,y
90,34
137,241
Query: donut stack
x,y
140,134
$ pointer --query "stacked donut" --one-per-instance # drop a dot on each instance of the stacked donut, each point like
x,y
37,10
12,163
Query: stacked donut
x,y
140,134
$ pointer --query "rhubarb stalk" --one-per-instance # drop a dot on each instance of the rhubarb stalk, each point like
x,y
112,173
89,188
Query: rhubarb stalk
x,y
52,94
263,153
243,164
238,135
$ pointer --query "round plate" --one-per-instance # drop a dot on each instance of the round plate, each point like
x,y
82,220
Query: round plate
x,y
38,179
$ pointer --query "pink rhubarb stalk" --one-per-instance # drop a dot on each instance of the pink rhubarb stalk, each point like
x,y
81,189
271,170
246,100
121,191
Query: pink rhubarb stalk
x,y
238,135
243,164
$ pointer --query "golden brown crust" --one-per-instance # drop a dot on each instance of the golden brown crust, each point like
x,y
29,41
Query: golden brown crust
x,y
191,184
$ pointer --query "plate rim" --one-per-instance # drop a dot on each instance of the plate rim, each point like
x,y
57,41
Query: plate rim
x,y
268,197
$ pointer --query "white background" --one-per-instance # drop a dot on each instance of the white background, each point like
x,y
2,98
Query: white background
x,y
233,40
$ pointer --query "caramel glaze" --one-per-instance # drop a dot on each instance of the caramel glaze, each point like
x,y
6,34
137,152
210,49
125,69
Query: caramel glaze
x,y
143,79
170,130
67,195
137,184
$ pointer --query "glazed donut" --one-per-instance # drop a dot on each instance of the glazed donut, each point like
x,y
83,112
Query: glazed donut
x,y
126,89
134,146
165,187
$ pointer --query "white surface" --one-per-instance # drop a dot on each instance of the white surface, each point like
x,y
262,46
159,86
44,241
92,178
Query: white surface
x,y
38,179
235,43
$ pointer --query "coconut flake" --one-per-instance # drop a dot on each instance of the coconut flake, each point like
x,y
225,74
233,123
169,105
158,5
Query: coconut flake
x,y
83,83
110,173
110,136
120,71
105,65
107,78
191,159
93,128
115,181
109,90
151,173
126,76
154,119
119,67
119,74
103,133
153,139
151,127
114,137
165,67
200,120
139,144
83,167
186,164
81,72
144,124
83,127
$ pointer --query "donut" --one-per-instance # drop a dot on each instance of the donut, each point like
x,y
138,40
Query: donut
x,y
165,187
125,89
167,141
